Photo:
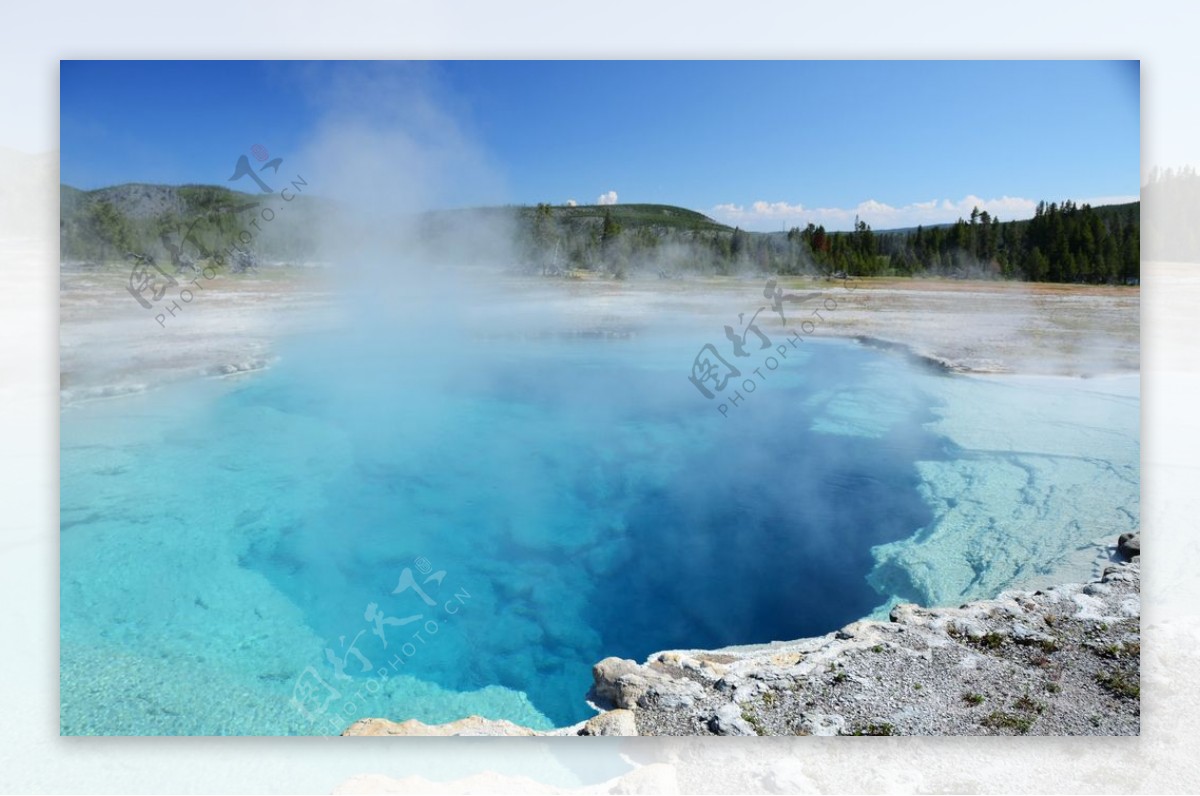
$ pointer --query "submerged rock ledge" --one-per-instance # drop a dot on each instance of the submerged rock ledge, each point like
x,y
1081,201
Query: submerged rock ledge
x,y
1059,661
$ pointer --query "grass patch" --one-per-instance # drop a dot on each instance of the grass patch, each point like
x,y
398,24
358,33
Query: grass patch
x,y
999,720
991,641
1029,705
973,699
1120,684
754,722
1116,651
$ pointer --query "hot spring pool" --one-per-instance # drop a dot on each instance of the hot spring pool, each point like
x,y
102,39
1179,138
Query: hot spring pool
x,y
353,533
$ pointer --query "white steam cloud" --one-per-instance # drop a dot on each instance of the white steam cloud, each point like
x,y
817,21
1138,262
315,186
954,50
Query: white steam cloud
x,y
385,146
386,152
609,198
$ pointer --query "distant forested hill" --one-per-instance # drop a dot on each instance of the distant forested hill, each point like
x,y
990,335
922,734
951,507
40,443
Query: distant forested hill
x,y
1062,243
192,222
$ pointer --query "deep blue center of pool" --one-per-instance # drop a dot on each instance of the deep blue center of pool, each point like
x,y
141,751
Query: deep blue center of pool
x,y
582,502
425,525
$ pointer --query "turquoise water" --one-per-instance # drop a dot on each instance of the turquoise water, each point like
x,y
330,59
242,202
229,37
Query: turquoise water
x,y
360,532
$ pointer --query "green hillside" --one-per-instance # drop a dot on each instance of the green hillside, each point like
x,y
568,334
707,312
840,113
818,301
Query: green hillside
x,y
184,224
637,215
190,224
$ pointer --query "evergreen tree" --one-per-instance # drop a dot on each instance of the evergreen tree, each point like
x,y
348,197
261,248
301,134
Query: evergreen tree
x,y
111,229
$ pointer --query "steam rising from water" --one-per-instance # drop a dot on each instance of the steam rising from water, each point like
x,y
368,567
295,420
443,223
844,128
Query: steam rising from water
x,y
577,487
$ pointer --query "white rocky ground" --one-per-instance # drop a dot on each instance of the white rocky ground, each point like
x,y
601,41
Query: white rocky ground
x,y
110,344
1061,661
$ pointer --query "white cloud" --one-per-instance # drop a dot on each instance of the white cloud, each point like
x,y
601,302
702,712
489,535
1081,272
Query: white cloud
x,y
771,215
571,203
609,198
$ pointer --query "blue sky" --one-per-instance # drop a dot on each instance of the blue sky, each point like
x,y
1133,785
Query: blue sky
x,y
760,144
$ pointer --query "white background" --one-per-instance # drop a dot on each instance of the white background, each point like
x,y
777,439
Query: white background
x,y
33,36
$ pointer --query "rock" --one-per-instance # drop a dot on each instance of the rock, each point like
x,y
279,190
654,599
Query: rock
x,y
728,721
472,725
965,627
901,613
671,699
613,722
823,724
1022,634
749,691
617,682
621,683
1120,573
1129,545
